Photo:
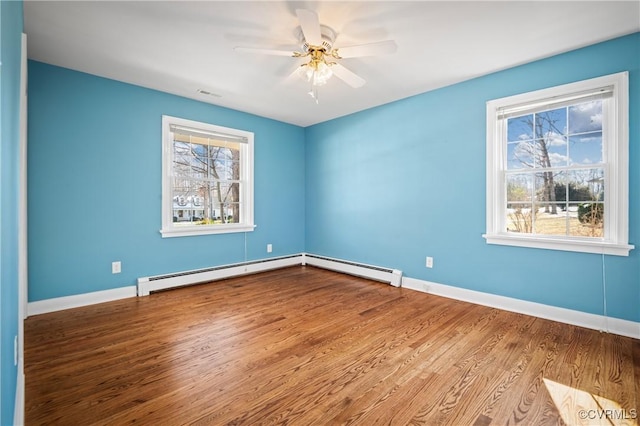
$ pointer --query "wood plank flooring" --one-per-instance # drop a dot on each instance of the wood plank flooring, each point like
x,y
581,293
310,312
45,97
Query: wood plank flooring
x,y
305,346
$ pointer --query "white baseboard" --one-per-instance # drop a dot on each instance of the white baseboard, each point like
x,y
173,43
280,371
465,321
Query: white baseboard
x,y
568,316
18,409
145,285
78,300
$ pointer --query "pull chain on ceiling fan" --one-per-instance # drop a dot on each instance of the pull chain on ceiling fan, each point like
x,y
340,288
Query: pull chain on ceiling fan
x,y
317,45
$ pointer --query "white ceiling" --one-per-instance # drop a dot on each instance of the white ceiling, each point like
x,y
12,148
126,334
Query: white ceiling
x,y
179,47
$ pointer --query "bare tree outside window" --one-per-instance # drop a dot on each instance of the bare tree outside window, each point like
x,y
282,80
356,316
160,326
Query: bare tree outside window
x,y
207,172
207,179
555,175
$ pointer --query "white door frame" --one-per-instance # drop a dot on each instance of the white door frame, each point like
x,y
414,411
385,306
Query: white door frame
x,y
18,415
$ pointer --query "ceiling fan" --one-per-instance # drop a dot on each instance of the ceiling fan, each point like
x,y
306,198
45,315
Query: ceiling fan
x,y
317,44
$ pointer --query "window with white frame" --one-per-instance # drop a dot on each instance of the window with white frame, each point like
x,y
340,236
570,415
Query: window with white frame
x,y
207,182
557,167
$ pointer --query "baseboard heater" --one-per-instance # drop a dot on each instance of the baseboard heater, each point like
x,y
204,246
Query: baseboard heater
x,y
391,276
146,285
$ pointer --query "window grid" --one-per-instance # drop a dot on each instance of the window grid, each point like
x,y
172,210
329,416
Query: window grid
x,y
583,171
207,183
549,147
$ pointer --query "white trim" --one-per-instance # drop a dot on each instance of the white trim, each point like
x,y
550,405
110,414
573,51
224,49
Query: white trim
x,y
19,403
22,203
616,159
78,300
145,285
554,313
583,246
205,230
18,409
148,284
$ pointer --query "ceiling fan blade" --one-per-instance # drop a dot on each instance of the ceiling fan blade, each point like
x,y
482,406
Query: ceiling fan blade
x,y
265,51
370,49
347,76
310,25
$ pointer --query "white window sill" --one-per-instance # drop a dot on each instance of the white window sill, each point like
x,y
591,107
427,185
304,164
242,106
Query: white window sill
x,y
205,230
550,243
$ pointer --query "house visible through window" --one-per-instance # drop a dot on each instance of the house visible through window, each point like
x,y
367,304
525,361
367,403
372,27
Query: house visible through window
x,y
557,167
207,179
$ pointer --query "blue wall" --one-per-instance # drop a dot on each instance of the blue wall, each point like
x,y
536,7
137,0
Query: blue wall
x,y
385,186
95,163
394,184
10,36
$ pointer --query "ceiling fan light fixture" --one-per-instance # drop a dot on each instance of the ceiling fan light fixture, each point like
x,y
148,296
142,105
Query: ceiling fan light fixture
x,y
317,71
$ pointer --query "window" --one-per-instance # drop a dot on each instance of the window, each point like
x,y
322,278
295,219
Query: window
x,y
207,185
557,168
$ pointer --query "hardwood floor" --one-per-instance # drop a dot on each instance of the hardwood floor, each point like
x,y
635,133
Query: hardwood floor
x,y
303,346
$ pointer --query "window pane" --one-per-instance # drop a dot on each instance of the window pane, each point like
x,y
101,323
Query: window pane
x,y
551,151
587,220
233,213
187,208
549,124
588,185
183,187
181,156
225,163
520,155
180,148
225,213
519,218
545,187
586,148
550,219
560,188
519,214
579,187
585,117
541,155
519,187
187,161
520,128
224,192
550,144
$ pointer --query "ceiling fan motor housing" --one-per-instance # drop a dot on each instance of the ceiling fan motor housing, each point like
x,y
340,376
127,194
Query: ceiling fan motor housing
x,y
328,37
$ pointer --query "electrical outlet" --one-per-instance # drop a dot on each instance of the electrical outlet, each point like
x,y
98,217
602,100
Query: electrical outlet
x,y
269,248
116,267
15,350
429,263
